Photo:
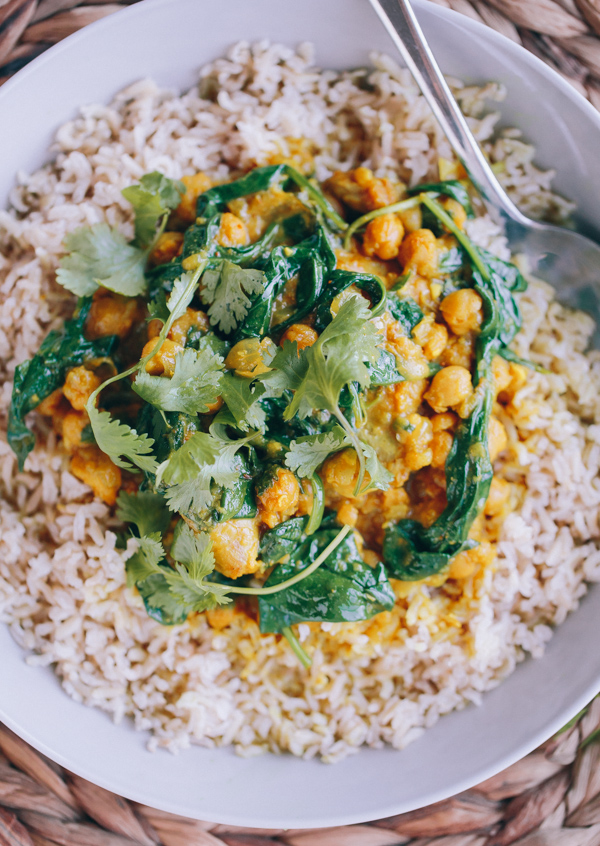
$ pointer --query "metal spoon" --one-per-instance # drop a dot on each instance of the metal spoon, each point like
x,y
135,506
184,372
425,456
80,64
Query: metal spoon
x,y
568,260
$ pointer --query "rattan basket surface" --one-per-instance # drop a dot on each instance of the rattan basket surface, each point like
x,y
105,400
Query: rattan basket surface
x,y
550,798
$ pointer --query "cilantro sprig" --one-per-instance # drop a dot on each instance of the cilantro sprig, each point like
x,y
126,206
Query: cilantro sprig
x,y
308,453
174,592
194,386
227,290
317,375
99,255
182,589
189,473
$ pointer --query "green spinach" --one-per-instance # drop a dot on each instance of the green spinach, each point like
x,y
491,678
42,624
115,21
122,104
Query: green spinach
x,y
37,378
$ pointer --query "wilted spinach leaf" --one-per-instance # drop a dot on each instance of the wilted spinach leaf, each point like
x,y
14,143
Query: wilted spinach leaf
x,y
38,377
343,589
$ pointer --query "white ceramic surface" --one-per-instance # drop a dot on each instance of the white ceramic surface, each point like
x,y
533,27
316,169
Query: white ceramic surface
x,y
168,40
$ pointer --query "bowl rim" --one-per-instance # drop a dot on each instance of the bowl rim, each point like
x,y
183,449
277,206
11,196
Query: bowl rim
x,y
38,742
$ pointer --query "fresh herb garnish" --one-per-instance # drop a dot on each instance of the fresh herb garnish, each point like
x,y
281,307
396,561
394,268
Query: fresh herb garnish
x,y
194,386
145,509
227,290
99,255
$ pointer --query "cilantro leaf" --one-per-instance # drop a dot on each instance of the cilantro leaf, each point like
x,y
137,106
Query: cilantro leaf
x,y
381,478
146,510
118,439
157,308
193,552
337,357
288,369
241,398
191,470
192,388
227,289
180,296
152,198
100,256
306,455
174,593
145,560
161,604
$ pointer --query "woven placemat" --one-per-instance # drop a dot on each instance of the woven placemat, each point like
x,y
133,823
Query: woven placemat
x,y
550,798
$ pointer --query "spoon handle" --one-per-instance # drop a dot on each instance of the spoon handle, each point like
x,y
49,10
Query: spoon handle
x,y
401,23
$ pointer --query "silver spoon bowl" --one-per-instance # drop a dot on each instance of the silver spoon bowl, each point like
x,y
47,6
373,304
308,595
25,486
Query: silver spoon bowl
x,y
565,258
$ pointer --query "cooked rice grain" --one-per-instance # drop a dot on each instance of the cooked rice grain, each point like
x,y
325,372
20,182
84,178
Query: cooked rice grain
x,y
62,581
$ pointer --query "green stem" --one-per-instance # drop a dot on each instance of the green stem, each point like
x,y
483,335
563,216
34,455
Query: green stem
x,y
460,236
318,504
403,205
299,577
362,467
296,647
317,197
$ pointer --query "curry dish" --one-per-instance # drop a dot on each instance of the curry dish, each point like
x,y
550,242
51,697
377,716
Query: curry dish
x,y
290,392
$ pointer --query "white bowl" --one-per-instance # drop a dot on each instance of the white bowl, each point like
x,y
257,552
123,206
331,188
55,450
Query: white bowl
x,y
168,40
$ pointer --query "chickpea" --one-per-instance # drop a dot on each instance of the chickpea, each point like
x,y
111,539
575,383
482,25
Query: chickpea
x,y
195,185
167,247
432,337
111,314
459,351
498,497
347,513
72,427
79,386
410,358
305,499
233,232
94,468
440,448
383,237
235,547
501,374
163,363
419,252
518,377
412,219
247,357
154,328
463,311
497,438
359,263
456,211
191,319
466,563
303,335
449,387
361,190
221,617
443,422
50,404
280,499
396,503
408,396
463,565
340,473
416,439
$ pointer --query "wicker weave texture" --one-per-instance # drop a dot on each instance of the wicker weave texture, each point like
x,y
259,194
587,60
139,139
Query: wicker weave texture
x,y
550,798
564,33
